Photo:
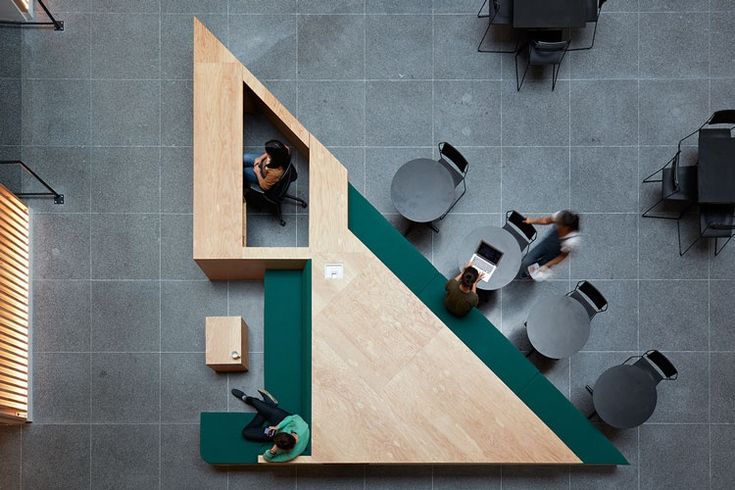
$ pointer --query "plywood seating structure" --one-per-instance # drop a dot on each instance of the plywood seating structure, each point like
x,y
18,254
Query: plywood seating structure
x,y
373,353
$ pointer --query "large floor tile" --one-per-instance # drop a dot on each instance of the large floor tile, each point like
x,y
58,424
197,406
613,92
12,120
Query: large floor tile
x,y
397,477
590,477
11,41
51,54
722,471
397,6
189,387
671,45
177,32
334,112
615,52
399,46
608,248
280,478
353,159
125,246
674,456
336,477
55,112
331,6
722,29
126,316
722,312
604,112
176,180
659,252
399,113
536,115
176,248
673,5
125,45
125,112
264,230
617,328
671,109
524,477
467,112
60,246
604,179
10,463
176,113
685,399
674,315
246,299
56,456
129,6
722,387
125,388
381,164
60,388
483,181
263,6
455,49
194,6
124,179
535,179
249,381
266,44
61,318
125,456
258,128
184,306
466,477
66,169
181,464
10,118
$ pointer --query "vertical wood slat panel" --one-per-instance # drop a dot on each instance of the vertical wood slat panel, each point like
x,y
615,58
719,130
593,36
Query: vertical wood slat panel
x,y
14,272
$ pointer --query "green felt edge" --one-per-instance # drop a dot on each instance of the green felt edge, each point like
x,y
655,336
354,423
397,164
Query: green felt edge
x,y
490,345
287,306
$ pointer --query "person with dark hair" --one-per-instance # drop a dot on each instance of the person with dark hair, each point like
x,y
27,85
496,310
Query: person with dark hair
x,y
556,246
266,169
289,433
461,292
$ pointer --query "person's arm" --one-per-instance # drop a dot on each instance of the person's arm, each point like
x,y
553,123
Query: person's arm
x,y
544,220
556,260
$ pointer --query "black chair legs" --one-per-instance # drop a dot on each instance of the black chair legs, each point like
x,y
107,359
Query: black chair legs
x,y
717,251
296,199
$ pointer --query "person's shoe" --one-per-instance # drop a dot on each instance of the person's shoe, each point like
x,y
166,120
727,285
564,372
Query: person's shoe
x,y
267,397
239,394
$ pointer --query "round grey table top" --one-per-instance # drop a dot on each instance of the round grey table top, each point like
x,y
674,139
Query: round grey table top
x,y
625,396
510,262
558,326
422,190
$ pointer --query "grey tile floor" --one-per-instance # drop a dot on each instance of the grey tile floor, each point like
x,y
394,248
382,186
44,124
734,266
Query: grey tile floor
x,y
119,305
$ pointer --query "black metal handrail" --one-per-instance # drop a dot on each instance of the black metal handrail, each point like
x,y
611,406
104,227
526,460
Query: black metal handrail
x,y
58,198
58,24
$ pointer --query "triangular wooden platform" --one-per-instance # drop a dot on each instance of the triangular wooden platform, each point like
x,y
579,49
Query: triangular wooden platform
x,y
391,382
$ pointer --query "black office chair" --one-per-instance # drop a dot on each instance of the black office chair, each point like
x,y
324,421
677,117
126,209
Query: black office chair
x,y
524,233
458,166
726,116
500,12
276,195
543,53
657,365
715,221
593,9
589,297
678,187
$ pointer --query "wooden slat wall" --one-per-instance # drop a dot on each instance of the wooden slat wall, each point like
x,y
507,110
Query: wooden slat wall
x,y
14,272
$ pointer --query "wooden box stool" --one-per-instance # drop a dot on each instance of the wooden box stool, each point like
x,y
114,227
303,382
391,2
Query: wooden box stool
x,y
226,343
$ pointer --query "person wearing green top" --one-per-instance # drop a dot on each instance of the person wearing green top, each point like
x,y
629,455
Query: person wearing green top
x,y
461,292
289,433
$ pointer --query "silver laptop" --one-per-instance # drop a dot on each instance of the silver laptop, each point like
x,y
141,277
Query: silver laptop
x,y
486,259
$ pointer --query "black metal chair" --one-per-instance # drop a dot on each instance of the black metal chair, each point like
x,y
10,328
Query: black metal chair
x,y
458,166
590,297
543,53
715,221
524,233
678,185
500,12
278,194
593,9
726,116
657,365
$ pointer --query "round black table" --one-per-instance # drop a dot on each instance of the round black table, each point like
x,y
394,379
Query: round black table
x,y
422,190
558,326
510,262
624,396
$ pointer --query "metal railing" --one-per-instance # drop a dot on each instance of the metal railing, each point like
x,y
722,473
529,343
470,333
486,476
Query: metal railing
x,y
58,198
58,24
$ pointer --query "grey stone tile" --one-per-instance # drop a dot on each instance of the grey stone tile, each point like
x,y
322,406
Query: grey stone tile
x,y
176,248
124,179
604,112
353,159
176,180
673,456
524,477
604,179
66,169
419,236
589,477
722,471
673,315
125,246
684,400
334,112
483,181
61,319
184,306
721,59
455,49
266,44
467,112
194,6
53,54
125,45
342,36
181,464
66,6
263,6
399,113
125,388
264,230
613,235
671,109
337,477
381,165
721,5
517,299
248,381
56,456
302,230
722,387
397,477
615,53
722,312
453,231
126,316
177,32
125,112
11,41
398,46
659,252
60,388
129,6
398,6
454,7
189,387
722,92
10,119
258,128
586,368
55,112
466,477
617,328
535,179
125,456
10,448
673,6
536,115
331,6
281,478
671,45
176,113
246,300
60,246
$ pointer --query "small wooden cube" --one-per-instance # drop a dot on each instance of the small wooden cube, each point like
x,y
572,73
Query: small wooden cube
x,y
226,343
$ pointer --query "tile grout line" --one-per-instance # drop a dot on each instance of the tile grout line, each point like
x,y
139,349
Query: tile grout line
x,y
89,163
709,265
160,243
638,222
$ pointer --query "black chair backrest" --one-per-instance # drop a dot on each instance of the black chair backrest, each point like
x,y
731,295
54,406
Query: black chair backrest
x,y
591,10
657,365
279,190
504,9
723,117
454,161
547,52
514,223
588,295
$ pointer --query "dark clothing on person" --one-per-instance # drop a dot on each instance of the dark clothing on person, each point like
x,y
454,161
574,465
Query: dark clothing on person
x,y
458,302
268,415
